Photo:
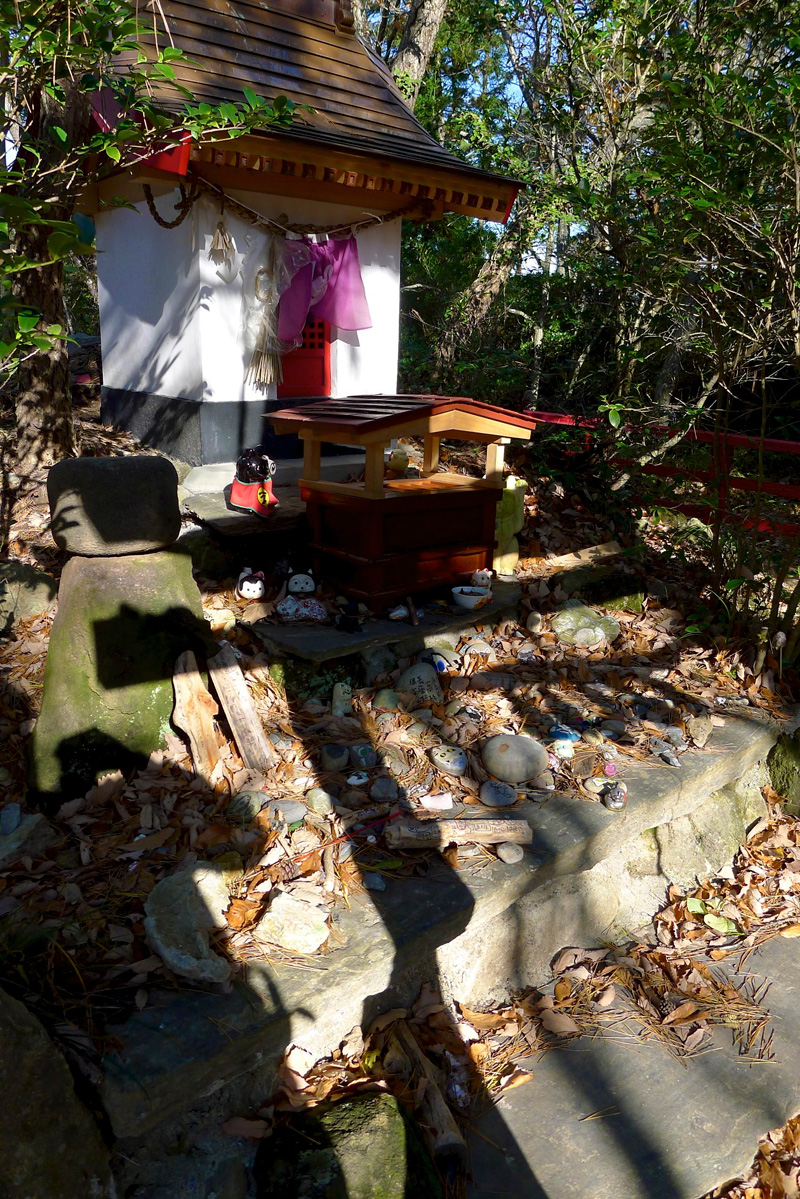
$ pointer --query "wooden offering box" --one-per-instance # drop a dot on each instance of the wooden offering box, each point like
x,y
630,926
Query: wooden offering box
x,y
385,538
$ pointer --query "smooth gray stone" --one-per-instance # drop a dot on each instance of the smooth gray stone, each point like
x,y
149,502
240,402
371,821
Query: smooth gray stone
x,y
33,833
497,795
385,700
421,680
281,742
292,810
384,790
334,757
179,912
493,680
108,506
374,882
320,801
245,806
513,759
510,853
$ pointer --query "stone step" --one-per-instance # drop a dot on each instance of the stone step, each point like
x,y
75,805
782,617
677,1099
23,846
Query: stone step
x,y
663,1128
478,931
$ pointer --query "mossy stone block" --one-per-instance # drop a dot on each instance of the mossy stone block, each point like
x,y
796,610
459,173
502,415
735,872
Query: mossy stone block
x,y
107,696
784,771
360,1148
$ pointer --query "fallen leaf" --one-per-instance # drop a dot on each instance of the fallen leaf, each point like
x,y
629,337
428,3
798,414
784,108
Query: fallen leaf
x,y
238,1126
559,1023
793,930
391,1017
484,1020
606,996
684,1011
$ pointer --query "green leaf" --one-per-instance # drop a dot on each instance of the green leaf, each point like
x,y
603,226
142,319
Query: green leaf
x,y
389,864
27,321
251,97
60,134
114,153
721,924
41,342
614,417
695,905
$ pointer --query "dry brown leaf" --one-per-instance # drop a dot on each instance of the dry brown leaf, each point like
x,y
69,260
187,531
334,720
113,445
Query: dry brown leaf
x,y
559,1023
151,841
606,996
381,1022
793,930
563,990
683,1012
484,1020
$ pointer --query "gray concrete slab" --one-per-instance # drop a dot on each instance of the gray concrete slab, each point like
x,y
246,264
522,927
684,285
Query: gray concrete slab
x,y
212,508
671,1129
216,476
319,643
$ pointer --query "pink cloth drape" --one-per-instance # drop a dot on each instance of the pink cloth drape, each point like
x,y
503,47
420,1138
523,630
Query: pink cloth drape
x,y
326,284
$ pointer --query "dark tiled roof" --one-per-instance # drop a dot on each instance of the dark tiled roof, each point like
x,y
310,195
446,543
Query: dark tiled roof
x,y
243,43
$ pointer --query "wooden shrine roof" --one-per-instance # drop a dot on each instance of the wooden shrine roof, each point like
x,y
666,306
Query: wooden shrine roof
x,y
363,416
307,51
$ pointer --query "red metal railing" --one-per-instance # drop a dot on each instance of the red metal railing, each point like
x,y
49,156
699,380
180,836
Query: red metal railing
x,y
723,446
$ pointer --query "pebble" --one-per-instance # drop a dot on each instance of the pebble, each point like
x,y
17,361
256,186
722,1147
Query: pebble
x,y
534,622
440,660
416,729
346,850
497,795
393,760
320,801
676,737
384,790
10,817
421,680
386,700
470,713
292,810
334,757
437,803
281,742
425,715
544,781
514,759
458,684
596,785
373,881
613,726
450,759
453,707
510,853
243,808
609,770
640,710
699,729
385,720
563,749
664,751
592,737
364,756
359,779
493,680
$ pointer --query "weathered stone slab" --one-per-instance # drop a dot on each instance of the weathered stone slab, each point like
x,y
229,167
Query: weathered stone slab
x,y
179,912
24,592
33,834
107,698
590,873
109,506
671,1130
50,1147
320,644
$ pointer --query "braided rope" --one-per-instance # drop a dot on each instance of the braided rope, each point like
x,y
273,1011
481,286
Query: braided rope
x,y
199,185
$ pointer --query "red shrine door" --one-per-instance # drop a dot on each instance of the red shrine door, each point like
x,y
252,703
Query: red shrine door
x,y
307,369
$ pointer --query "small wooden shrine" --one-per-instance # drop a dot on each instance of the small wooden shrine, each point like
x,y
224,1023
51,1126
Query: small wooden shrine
x,y
189,288
383,538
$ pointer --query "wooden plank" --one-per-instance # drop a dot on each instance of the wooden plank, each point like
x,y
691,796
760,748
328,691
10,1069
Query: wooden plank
x,y
495,452
255,749
430,834
374,469
194,714
430,454
312,458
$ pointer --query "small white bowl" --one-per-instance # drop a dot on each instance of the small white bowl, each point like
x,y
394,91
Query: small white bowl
x,y
472,597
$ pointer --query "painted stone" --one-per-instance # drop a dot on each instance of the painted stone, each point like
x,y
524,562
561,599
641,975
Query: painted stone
x,y
363,756
358,778
450,759
563,749
514,759
592,737
534,622
470,713
562,732
596,785
579,625
441,660
342,699
478,647
292,610
510,853
334,757
497,795
609,769
421,680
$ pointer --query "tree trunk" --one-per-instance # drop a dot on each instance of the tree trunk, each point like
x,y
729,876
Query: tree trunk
x,y
416,45
470,308
45,426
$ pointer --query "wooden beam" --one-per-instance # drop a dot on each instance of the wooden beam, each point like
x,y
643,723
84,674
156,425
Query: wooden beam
x,y
255,749
430,455
374,468
409,833
194,714
312,458
495,452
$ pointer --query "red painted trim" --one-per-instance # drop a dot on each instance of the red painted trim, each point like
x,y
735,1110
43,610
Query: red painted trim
x,y
515,193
